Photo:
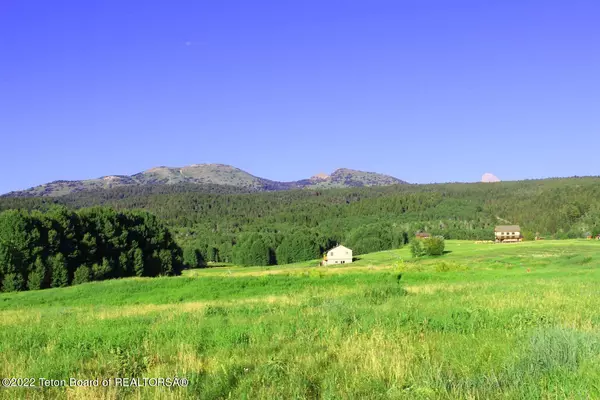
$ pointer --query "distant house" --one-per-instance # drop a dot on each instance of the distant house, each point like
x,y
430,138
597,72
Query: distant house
x,y
422,235
508,233
338,255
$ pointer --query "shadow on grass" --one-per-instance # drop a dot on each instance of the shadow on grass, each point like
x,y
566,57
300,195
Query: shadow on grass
x,y
218,265
209,266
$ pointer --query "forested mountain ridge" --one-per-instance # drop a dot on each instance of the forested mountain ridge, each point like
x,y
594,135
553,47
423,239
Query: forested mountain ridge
x,y
225,226
207,176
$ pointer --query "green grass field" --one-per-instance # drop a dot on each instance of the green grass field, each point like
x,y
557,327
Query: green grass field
x,y
484,321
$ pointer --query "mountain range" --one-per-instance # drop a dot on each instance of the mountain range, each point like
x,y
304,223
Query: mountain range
x,y
209,174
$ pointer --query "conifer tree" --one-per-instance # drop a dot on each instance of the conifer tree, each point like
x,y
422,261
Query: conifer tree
x,y
38,277
138,262
83,274
59,272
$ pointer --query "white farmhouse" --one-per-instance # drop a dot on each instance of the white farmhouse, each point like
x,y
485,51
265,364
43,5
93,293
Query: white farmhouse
x,y
338,255
508,234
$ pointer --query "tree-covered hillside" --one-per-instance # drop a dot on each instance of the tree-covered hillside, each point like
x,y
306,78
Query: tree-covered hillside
x,y
293,225
61,247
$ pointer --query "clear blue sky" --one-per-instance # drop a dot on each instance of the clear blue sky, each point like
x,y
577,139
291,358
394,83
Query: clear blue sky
x,y
427,91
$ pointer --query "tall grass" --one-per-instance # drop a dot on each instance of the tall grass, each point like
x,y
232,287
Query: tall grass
x,y
482,322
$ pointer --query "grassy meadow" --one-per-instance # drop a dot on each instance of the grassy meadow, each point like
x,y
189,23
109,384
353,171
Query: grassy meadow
x,y
485,321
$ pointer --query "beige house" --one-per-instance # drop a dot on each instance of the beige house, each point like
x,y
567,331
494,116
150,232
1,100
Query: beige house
x,y
508,234
338,255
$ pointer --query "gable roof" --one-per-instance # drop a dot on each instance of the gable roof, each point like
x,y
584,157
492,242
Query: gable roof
x,y
508,228
340,247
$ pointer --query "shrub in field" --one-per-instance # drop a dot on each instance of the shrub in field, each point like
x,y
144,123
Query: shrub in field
x,y
316,274
442,267
449,266
399,269
586,260
434,246
528,235
416,248
380,294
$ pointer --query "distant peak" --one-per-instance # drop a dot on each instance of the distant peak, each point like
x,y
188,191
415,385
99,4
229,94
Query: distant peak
x,y
488,177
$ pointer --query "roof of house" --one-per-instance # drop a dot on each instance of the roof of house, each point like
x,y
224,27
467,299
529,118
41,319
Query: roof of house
x,y
340,247
507,228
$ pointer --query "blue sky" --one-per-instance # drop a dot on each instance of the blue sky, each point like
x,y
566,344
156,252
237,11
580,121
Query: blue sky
x,y
427,91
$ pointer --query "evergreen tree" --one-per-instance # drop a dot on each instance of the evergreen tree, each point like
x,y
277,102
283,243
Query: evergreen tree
x,y
83,274
13,282
59,272
138,262
253,250
102,271
260,253
124,266
166,262
193,258
38,277
298,246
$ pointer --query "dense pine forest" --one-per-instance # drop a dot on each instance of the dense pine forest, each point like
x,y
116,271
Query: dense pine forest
x,y
220,224
60,247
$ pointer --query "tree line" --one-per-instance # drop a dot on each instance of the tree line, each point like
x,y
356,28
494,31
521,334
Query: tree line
x,y
61,247
295,225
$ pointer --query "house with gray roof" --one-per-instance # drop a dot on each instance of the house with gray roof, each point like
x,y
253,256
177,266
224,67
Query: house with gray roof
x,y
508,234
